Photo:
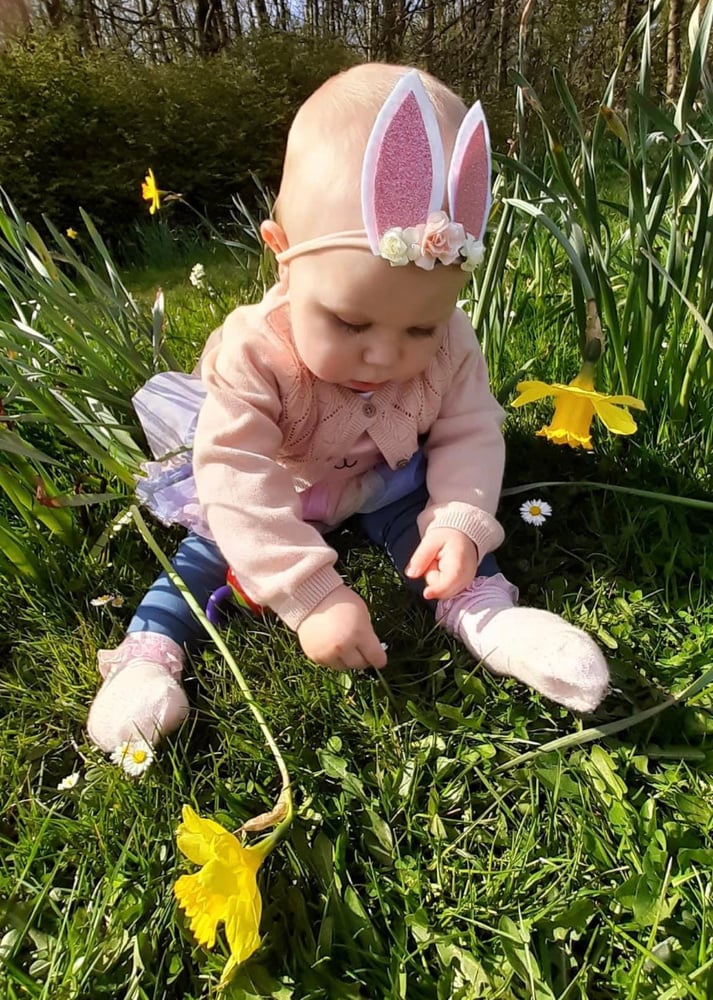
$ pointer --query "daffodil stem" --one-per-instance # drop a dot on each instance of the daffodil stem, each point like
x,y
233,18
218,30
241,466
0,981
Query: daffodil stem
x,y
229,659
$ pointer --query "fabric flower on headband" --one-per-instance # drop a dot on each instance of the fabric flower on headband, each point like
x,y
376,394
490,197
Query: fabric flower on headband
x,y
438,240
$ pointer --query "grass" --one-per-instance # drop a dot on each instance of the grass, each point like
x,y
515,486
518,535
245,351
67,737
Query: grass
x,y
422,863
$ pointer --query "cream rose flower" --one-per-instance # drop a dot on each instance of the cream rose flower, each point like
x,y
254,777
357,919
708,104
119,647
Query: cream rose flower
x,y
473,251
412,236
394,248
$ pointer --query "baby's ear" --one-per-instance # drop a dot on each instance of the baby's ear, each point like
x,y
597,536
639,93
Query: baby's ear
x,y
274,236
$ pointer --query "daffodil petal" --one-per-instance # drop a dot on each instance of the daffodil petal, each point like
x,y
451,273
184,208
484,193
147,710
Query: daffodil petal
x,y
615,418
202,916
563,436
531,391
578,390
196,837
242,923
225,890
636,404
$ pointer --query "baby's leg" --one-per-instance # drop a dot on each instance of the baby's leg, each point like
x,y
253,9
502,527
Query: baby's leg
x,y
536,647
141,697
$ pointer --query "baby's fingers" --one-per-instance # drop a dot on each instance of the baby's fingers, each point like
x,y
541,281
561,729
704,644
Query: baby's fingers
x,y
373,653
440,578
423,558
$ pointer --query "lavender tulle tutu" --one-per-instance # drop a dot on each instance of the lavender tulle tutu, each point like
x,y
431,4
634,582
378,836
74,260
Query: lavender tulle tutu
x,y
167,407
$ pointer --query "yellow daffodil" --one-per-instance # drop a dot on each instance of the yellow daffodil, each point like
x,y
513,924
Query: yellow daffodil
x,y
72,233
225,889
576,405
150,192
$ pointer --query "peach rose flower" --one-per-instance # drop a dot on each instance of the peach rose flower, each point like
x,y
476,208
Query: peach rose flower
x,y
441,240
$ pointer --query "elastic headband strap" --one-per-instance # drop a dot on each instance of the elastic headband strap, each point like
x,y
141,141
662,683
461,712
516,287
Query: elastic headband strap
x,y
348,239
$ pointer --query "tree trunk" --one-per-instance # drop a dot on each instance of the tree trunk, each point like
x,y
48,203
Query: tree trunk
x,y
372,29
429,34
237,21
178,31
673,48
263,18
55,12
211,26
506,20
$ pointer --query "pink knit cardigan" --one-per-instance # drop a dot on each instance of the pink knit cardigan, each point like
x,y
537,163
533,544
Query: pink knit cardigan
x,y
269,430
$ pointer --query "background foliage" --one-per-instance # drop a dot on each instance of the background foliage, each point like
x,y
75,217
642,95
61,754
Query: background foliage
x,y
82,130
92,92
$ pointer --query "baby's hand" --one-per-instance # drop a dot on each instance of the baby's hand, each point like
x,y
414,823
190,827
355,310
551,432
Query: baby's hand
x,y
339,634
446,559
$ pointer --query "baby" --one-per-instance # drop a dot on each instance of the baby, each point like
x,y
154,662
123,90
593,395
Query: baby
x,y
354,388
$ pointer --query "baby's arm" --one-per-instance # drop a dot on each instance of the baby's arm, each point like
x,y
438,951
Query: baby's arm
x,y
253,509
465,452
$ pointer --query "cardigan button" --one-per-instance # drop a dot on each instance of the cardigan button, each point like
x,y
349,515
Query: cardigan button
x,y
369,410
402,463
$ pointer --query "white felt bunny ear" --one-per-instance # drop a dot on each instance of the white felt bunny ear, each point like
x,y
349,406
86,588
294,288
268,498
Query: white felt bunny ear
x,y
469,174
403,175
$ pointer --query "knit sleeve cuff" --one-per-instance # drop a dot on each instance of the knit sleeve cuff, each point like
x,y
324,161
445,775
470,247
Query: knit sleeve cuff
x,y
482,528
307,596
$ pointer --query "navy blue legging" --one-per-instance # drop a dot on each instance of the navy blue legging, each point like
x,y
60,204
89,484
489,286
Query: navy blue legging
x,y
203,569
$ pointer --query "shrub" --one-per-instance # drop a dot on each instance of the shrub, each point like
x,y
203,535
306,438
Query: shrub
x,y
82,130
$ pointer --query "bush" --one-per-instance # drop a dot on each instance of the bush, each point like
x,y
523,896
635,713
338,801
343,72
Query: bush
x,y
82,130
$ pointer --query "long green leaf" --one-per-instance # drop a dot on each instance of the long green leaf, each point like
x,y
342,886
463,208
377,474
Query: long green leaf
x,y
566,245
600,732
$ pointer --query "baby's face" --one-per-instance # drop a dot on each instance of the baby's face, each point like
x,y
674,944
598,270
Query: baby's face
x,y
360,323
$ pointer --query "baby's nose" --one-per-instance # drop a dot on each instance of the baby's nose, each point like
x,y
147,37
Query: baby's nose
x,y
381,351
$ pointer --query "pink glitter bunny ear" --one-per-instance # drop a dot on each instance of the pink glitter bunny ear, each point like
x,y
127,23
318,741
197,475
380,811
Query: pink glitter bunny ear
x,y
403,175
469,174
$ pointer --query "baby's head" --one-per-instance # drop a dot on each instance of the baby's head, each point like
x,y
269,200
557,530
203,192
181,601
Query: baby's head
x,y
356,319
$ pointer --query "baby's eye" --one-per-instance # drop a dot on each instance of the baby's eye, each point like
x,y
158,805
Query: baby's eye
x,y
422,331
351,327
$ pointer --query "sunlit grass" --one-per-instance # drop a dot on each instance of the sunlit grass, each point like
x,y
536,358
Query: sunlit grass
x,y
417,867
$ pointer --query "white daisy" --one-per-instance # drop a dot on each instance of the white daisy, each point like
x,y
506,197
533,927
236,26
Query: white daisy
x,y
135,756
116,601
197,276
69,782
535,512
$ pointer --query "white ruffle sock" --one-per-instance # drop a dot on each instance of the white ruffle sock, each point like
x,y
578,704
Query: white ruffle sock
x,y
536,647
141,697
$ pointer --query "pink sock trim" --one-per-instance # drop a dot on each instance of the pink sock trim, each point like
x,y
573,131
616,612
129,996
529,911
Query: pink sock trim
x,y
142,646
485,593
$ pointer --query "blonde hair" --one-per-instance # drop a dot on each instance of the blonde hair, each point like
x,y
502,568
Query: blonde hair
x,y
320,188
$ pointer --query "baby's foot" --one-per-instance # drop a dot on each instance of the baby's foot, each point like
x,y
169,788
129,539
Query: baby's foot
x,y
536,647
141,696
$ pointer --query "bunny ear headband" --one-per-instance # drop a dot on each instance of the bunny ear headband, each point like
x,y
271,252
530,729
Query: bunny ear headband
x,y
403,183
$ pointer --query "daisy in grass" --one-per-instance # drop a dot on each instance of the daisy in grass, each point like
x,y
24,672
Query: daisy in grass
x,y
66,784
197,276
135,756
535,512
115,600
